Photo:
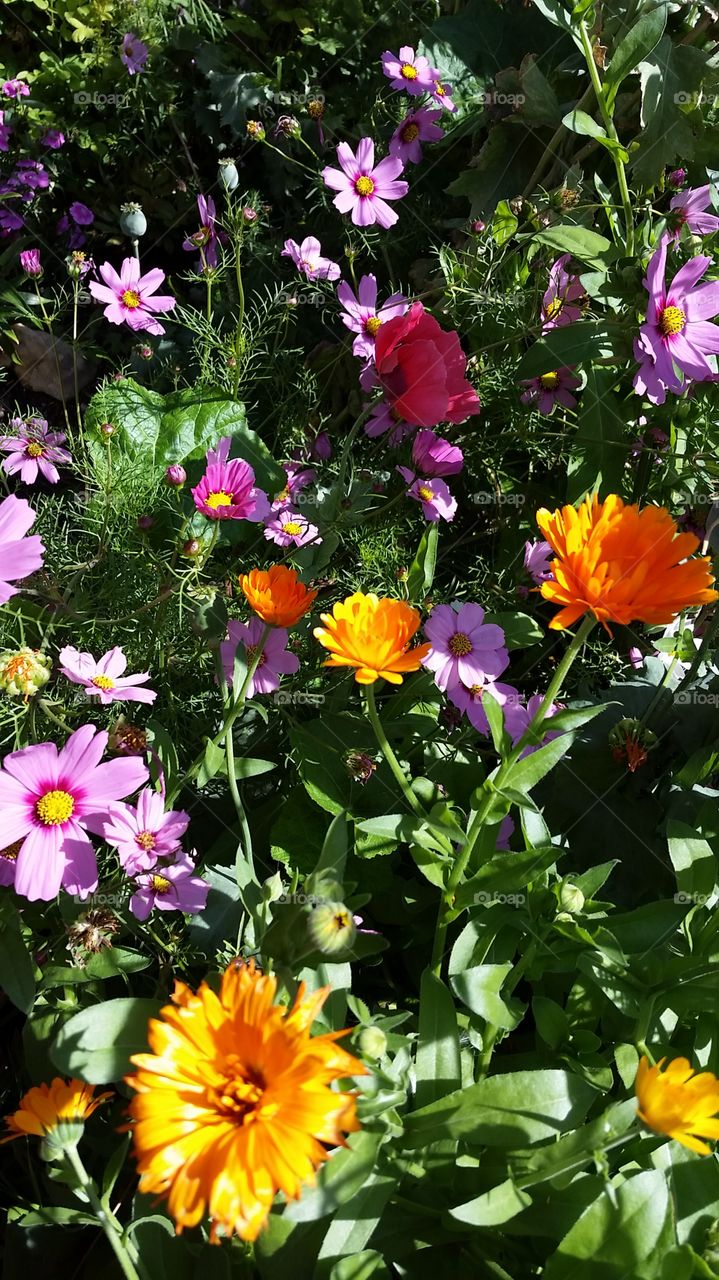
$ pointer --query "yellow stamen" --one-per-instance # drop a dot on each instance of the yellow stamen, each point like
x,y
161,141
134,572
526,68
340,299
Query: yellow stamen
x,y
18,666
364,186
553,308
220,499
55,807
146,840
439,90
549,381
410,132
425,493
408,71
131,298
460,644
292,528
671,321
160,884
372,324
103,682
34,450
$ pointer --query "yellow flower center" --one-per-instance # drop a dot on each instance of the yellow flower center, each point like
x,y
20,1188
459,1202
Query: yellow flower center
x,y
146,840
103,682
220,499
549,381
364,186
410,132
55,807
35,450
671,321
372,324
408,71
439,90
283,495
460,644
241,1093
476,690
342,920
292,528
251,650
160,884
425,493
131,298
553,308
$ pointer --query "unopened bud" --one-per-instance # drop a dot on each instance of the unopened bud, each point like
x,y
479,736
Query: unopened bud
x,y
227,174
191,547
107,428
23,671
175,475
571,898
332,927
132,220
372,1042
145,522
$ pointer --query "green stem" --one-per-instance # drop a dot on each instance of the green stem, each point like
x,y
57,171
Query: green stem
x,y
232,781
107,1221
612,133
76,385
48,323
707,641
389,754
240,317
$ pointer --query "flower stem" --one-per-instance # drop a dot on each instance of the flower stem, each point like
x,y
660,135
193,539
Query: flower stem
x,y
107,1221
612,133
389,754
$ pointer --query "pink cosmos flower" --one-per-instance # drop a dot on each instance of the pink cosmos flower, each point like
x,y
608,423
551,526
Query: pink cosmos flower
x,y
275,660
133,53
442,93
144,832
30,262
16,89
417,127
50,799
565,297
407,71
34,449
5,133
227,490
518,716
465,649
103,678
549,389
298,478
53,139
291,529
537,556
433,496
362,315
676,337
308,258
170,887
129,296
384,418
363,189
19,556
636,657
206,238
421,368
689,208
469,700
434,456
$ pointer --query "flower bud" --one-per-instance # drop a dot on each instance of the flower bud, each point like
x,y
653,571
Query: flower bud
x,y
191,548
145,522
372,1042
107,428
127,739
255,130
144,352
30,263
227,174
249,214
23,671
478,226
175,475
332,927
571,898
132,220
315,108
676,179
287,127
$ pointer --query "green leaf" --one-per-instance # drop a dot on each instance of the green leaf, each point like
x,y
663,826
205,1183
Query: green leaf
x,y
422,570
494,1207
600,447
213,762
588,246
579,122
360,1266
520,630
618,1236
505,874
504,223
693,860
338,1180
17,971
96,1044
671,77
333,858
574,717
526,773
478,988
219,921
567,346
354,1223
633,48
438,1066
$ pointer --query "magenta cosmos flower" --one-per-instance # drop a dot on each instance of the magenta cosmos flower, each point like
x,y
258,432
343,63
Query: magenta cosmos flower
x,y
50,799
518,717
468,699
133,53
689,209
129,296
16,89
362,315
676,337
5,133
34,449
19,555
275,661
30,262
170,887
364,189
298,478
144,832
565,297
441,92
53,139
103,678
417,127
434,456
206,238
433,496
407,71
537,557
465,649
550,389
227,491
308,258
291,529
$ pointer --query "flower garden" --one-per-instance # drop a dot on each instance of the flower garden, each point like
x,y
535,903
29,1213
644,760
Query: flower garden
x,y
359,639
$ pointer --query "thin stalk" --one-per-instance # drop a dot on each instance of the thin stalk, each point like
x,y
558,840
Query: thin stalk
x,y
48,323
389,755
612,133
106,1220
240,317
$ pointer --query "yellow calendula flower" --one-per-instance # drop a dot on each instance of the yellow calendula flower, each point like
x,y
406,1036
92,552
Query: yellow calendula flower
x,y
54,1112
678,1102
372,634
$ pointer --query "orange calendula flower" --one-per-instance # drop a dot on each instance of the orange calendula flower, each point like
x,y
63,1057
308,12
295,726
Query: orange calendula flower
x,y
234,1103
679,1103
621,564
56,1113
372,634
276,595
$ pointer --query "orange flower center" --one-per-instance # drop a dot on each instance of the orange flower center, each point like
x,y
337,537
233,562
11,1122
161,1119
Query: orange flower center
x,y
671,321
372,324
34,450
238,1097
460,644
146,840
410,132
549,381
364,186
18,666
54,808
221,499
131,298
103,682
408,71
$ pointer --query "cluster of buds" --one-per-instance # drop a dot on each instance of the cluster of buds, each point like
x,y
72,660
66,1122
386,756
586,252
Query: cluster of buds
x,y
23,672
630,743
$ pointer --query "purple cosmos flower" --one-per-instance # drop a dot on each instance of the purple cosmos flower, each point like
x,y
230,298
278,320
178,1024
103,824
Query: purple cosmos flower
x,y
16,89
565,297
298,478
518,716
31,174
206,238
434,456
5,133
537,556
319,445
170,887
676,337
129,296
550,389
30,262
689,209
53,139
103,678
465,649
291,529
19,556
407,71
469,700
636,657
10,222
384,418
275,660
81,215
307,257
362,315
506,830
417,127
363,189
653,439
50,799
442,93
433,496
133,53
227,490
34,449
144,832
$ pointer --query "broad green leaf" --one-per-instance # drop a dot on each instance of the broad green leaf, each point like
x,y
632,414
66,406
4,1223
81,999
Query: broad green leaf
x,y
360,1266
438,1067
633,48
17,971
600,447
618,1236
219,921
693,860
526,773
671,77
478,988
97,1043
333,857
504,223
520,630
504,875
494,1207
579,122
588,246
584,340
422,569
338,1180
354,1223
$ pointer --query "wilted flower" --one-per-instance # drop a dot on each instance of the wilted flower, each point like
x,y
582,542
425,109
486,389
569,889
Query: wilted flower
x,y
92,933
359,766
24,671
308,258
127,739
630,742
287,127
565,297
255,130
315,109
206,239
